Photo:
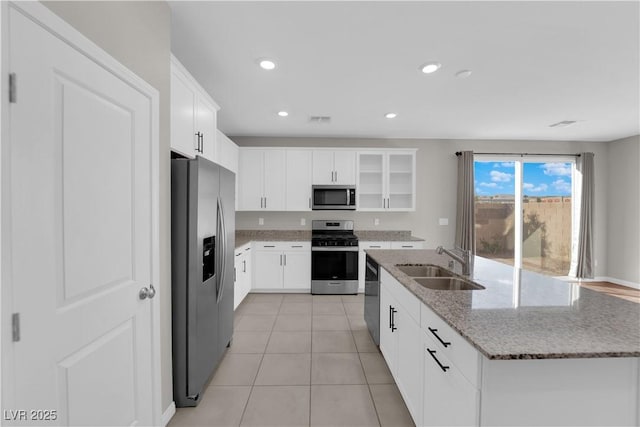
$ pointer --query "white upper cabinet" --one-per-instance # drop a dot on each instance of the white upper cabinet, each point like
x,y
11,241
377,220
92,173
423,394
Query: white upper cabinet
x,y
228,153
193,115
206,128
334,167
261,180
298,181
386,180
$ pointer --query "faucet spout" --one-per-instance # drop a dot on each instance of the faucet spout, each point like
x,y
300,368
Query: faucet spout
x,y
464,259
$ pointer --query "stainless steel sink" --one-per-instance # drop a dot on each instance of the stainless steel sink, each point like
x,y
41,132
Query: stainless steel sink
x,y
447,284
425,270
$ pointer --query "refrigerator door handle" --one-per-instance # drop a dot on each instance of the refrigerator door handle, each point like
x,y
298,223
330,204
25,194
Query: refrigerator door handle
x,y
223,231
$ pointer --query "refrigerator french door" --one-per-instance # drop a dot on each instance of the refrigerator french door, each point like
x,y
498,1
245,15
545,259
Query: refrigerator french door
x,y
202,243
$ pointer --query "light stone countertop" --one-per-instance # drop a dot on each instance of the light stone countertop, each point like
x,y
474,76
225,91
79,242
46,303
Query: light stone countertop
x,y
539,318
245,236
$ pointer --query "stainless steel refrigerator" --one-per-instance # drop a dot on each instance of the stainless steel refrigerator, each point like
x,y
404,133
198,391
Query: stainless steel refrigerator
x,y
202,245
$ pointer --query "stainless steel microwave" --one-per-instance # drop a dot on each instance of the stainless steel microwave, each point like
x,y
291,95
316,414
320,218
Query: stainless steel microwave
x,y
333,197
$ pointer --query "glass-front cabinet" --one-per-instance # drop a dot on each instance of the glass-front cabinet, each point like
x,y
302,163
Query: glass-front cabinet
x,y
386,180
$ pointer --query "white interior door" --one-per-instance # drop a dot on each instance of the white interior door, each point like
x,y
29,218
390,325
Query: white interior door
x,y
80,197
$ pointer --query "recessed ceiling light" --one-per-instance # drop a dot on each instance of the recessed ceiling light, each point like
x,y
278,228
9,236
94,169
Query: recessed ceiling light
x,y
463,74
391,115
266,64
283,113
563,124
430,67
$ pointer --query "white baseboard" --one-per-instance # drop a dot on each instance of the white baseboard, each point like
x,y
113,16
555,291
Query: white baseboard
x,y
168,414
618,282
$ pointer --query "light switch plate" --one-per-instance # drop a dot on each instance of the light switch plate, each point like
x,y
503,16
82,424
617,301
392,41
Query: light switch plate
x,y
444,221
376,221
260,221
303,221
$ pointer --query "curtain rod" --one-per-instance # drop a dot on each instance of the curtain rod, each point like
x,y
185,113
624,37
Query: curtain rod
x,y
458,153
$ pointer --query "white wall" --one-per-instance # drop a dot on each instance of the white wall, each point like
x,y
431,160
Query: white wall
x,y
623,200
436,183
138,34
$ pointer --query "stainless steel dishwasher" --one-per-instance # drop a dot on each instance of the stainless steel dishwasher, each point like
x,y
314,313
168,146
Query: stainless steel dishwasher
x,y
372,298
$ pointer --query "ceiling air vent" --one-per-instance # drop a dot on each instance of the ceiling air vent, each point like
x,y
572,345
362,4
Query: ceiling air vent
x,y
562,124
320,119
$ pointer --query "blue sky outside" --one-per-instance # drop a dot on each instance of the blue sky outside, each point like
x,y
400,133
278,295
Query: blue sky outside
x,y
540,179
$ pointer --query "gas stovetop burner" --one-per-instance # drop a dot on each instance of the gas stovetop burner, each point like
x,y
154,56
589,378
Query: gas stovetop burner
x,y
333,233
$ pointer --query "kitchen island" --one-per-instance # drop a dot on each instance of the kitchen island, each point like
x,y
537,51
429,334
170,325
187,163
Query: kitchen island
x,y
527,349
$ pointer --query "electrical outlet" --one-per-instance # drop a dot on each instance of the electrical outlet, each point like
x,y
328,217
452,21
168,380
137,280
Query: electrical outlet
x,y
260,221
444,221
303,221
376,221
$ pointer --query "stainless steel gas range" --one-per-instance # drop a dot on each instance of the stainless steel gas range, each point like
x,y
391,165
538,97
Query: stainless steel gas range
x,y
334,257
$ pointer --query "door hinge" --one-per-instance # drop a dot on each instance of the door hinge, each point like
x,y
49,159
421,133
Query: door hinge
x,y
15,327
12,88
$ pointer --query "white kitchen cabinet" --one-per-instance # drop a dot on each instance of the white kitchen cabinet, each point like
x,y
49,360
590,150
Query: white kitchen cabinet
x,y
449,398
401,341
334,167
410,364
388,335
282,265
228,152
193,115
242,269
296,268
299,165
261,180
386,180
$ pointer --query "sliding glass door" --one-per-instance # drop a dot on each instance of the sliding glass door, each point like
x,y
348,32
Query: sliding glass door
x,y
523,212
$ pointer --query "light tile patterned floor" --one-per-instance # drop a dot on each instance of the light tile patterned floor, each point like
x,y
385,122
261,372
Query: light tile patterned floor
x,y
300,360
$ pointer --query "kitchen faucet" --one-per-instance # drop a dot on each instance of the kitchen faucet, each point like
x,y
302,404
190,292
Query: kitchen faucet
x,y
464,259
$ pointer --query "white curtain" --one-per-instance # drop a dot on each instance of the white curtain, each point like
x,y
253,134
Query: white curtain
x,y
582,247
465,213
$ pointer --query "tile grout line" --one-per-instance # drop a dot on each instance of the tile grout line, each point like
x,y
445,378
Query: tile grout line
x,y
244,410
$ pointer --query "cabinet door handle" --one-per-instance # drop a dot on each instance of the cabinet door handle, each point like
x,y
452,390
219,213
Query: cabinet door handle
x,y
433,354
201,143
198,141
336,176
375,246
393,319
244,266
280,259
407,246
433,331
285,259
265,203
296,246
268,246
309,202
390,317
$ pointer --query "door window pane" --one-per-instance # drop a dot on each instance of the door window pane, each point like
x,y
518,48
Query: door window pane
x,y
494,209
546,217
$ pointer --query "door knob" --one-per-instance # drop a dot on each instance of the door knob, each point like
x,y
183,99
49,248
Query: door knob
x,y
147,292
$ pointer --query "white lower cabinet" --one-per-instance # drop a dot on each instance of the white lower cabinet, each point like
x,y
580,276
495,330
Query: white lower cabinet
x,y
449,399
401,345
242,282
282,266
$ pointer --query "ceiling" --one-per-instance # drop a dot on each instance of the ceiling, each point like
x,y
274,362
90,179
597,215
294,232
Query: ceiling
x,y
533,64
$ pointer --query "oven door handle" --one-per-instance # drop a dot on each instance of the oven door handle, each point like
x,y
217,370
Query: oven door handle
x,y
335,249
